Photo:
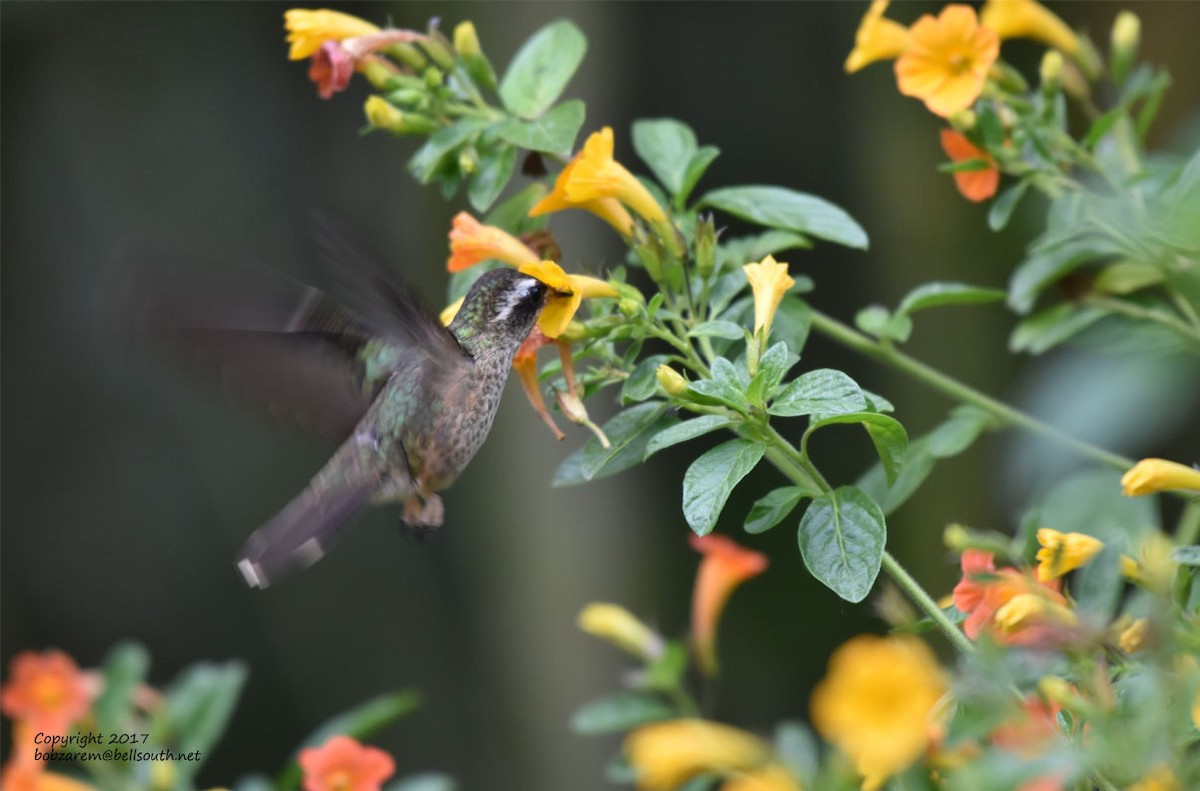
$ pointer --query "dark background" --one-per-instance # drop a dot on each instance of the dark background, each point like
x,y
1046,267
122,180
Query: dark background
x,y
127,488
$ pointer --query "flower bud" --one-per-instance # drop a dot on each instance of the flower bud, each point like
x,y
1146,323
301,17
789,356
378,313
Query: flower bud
x,y
629,307
1126,35
466,44
433,77
438,47
572,407
620,627
706,245
1051,71
672,383
466,40
468,160
382,114
963,120
407,55
650,252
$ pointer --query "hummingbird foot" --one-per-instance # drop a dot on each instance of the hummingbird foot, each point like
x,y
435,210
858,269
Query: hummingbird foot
x,y
427,511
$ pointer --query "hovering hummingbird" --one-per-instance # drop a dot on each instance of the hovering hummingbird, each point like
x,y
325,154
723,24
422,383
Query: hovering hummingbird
x,y
410,400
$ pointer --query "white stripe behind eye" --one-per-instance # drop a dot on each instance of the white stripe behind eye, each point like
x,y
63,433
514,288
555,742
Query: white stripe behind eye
x,y
515,297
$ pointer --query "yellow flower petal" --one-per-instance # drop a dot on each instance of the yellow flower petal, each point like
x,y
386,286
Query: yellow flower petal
x,y
772,777
622,628
769,281
569,293
664,755
450,311
608,209
1156,475
308,30
1025,608
597,175
1028,19
947,60
878,38
1064,552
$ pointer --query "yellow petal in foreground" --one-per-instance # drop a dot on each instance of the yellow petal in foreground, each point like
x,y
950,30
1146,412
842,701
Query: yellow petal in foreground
x,y
878,38
569,291
622,628
947,60
1028,19
307,29
769,281
1063,552
664,755
1157,475
878,702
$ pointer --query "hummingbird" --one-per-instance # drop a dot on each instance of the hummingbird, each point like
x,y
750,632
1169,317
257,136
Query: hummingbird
x,y
410,401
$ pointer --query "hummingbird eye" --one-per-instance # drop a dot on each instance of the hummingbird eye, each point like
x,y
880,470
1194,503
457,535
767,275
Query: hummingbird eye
x,y
522,297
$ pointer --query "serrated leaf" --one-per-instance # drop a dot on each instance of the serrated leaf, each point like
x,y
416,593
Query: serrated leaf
x,y
197,706
774,507
711,478
888,436
1047,328
643,380
842,537
124,668
622,430
717,329
553,133
823,391
542,68
496,167
931,295
685,431
620,712
1003,207
778,207
667,147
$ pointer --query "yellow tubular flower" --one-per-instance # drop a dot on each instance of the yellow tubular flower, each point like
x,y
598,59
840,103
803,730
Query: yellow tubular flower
x,y
622,628
947,60
878,703
878,38
307,30
772,777
1063,552
472,242
769,281
1157,475
1028,19
570,291
670,380
608,209
1025,608
664,755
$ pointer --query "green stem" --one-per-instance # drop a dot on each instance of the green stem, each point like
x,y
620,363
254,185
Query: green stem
x,y
1006,415
1188,530
1147,314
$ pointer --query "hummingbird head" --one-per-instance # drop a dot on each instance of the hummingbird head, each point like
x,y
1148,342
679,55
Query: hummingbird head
x,y
499,311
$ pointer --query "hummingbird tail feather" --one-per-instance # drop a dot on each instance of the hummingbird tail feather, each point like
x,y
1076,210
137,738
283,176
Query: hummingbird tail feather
x,y
301,534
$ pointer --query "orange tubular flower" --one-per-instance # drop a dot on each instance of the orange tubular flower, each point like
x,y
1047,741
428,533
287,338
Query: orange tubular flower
x,y
46,692
525,366
31,776
1011,606
947,60
608,209
878,38
974,185
307,30
725,566
472,242
342,764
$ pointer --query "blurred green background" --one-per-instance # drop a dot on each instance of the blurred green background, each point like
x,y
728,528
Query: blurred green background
x,y
128,487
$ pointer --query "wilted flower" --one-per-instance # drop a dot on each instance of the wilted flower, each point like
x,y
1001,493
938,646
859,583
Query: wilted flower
x,y
568,293
46,691
974,185
472,242
1028,19
343,764
877,703
1064,552
769,281
308,30
664,755
878,38
608,209
947,60
725,566
622,628
1149,476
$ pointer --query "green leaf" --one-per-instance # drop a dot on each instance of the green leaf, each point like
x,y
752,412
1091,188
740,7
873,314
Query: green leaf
x,y
620,712
627,432
712,477
772,367
888,436
931,295
727,386
197,707
513,214
778,207
442,148
496,166
1041,269
542,68
774,507
553,133
748,249
918,463
957,434
879,321
717,329
1048,328
124,668
687,430
1003,207
1101,126
797,747
643,381
823,391
792,323
842,536
1126,277
695,170
359,723
667,146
